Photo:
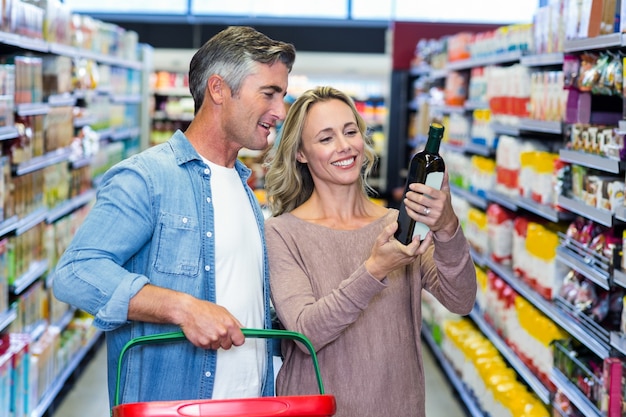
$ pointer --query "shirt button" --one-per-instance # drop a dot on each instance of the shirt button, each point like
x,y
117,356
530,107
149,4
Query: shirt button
x,y
185,220
207,171
209,234
208,199
207,267
207,374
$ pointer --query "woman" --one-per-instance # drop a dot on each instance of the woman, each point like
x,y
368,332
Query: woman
x,y
338,275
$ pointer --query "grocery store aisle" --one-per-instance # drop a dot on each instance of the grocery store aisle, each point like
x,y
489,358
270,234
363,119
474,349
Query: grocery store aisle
x,y
89,397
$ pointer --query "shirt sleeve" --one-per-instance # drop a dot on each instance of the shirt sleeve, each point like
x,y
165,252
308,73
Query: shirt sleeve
x,y
91,274
449,274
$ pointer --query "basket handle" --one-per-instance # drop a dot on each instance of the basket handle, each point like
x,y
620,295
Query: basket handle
x,y
253,333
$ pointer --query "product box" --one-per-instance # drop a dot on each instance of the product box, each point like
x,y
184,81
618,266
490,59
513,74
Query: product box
x,y
590,18
577,107
612,399
19,374
6,373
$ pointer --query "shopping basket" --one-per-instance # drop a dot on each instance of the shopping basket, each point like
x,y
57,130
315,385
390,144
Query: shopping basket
x,y
321,405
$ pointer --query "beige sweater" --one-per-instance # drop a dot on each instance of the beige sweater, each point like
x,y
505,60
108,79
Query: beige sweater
x,y
366,333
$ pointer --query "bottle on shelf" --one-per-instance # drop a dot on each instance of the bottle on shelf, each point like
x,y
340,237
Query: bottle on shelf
x,y
426,167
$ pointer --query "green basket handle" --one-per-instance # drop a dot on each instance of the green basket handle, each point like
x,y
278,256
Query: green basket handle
x,y
254,333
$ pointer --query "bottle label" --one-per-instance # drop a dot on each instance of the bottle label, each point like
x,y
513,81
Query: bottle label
x,y
433,180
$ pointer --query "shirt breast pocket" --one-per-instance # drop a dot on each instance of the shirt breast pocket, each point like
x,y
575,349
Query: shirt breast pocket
x,y
179,245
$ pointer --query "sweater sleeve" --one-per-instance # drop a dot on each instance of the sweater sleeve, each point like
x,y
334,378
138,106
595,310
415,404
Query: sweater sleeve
x,y
449,274
321,319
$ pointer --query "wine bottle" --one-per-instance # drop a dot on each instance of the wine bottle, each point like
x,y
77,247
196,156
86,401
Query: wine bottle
x,y
426,167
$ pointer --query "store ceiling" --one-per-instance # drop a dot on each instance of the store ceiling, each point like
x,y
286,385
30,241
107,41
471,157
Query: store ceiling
x,y
343,38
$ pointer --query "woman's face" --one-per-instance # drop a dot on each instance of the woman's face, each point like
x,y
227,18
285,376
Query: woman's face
x,y
332,144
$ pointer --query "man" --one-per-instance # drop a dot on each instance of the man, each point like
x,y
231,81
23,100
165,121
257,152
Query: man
x,y
175,238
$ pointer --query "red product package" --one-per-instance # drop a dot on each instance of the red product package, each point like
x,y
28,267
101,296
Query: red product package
x,y
500,233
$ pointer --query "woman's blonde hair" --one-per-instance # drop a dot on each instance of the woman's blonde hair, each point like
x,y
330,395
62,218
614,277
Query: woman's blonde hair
x,y
288,183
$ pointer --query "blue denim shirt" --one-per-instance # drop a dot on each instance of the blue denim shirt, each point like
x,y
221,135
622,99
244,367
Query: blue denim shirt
x,y
149,225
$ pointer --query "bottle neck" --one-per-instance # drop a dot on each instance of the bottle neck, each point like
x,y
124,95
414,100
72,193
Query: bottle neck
x,y
432,145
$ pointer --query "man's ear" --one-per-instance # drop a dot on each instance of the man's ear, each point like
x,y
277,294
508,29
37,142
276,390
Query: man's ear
x,y
216,88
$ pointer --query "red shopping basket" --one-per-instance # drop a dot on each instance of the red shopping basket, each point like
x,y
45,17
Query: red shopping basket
x,y
321,405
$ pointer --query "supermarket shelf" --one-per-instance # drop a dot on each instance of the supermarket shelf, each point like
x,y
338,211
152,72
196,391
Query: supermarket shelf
x,y
502,129
476,105
520,367
472,198
569,258
438,74
31,220
494,59
40,162
478,149
62,100
619,277
74,52
470,147
574,394
542,210
618,341
32,109
480,260
603,217
51,394
542,60
172,91
8,132
591,161
7,318
464,394
8,225
448,109
550,310
613,40
35,271
502,199
540,126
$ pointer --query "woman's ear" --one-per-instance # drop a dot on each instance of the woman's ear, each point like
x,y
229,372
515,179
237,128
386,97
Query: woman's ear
x,y
300,157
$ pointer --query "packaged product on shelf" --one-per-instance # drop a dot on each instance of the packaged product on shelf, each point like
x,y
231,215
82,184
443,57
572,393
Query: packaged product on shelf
x,y
19,375
577,107
4,279
482,176
22,18
477,231
500,233
541,183
519,255
59,128
481,132
28,78
44,366
6,375
57,20
543,272
456,88
57,75
613,388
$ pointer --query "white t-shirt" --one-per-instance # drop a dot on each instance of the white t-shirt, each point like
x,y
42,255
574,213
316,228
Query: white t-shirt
x,y
239,284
